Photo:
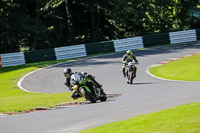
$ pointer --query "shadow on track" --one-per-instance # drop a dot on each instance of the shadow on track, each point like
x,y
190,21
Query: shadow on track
x,y
145,83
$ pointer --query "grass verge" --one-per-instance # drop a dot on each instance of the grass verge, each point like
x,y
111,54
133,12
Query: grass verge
x,y
12,99
185,69
181,119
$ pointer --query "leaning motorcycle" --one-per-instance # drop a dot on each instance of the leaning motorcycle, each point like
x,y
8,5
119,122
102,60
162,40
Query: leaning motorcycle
x,y
130,72
85,88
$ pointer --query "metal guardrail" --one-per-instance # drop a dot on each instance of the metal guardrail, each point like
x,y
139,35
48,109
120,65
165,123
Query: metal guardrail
x,y
128,43
183,36
12,59
70,52
156,39
40,55
99,47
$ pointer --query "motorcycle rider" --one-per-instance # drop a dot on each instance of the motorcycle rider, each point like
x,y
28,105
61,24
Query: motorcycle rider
x,y
128,57
68,73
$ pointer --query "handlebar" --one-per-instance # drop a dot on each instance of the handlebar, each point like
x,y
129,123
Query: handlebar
x,y
126,63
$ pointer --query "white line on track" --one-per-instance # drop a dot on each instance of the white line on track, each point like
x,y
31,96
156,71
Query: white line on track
x,y
165,62
19,83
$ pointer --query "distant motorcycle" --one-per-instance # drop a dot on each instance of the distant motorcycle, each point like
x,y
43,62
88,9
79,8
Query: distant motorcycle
x,y
86,89
130,72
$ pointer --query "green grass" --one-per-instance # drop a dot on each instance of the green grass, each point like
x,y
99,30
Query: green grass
x,y
185,69
12,99
181,119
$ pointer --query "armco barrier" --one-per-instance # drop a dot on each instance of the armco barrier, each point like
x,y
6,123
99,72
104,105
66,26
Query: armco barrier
x,y
12,59
183,36
99,47
40,55
67,52
151,40
128,43
0,62
70,52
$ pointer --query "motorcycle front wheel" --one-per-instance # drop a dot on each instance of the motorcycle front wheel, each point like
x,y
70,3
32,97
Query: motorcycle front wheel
x,y
131,78
88,95
103,97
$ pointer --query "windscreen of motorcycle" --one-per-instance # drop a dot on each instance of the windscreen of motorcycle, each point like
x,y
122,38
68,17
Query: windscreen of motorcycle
x,y
129,59
130,64
76,79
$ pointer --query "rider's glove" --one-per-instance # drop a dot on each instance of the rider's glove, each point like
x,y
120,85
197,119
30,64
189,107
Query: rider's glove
x,y
124,62
90,76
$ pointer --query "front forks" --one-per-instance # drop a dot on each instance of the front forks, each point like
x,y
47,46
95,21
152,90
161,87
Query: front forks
x,y
97,92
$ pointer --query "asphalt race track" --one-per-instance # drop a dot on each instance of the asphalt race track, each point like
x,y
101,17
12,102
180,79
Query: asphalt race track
x,y
147,95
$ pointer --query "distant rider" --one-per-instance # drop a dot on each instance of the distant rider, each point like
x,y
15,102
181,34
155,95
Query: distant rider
x,y
68,73
128,57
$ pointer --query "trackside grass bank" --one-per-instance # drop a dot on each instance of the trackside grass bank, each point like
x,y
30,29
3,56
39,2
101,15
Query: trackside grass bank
x,y
185,69
12,99
181,119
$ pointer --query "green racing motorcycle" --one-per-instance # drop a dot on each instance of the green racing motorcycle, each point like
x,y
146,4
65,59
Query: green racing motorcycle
x,y
85,87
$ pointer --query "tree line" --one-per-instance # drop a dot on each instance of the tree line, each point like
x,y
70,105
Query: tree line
x,y
27,25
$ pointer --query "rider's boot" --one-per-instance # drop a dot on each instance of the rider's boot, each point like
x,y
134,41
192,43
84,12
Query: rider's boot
x,y
75,95
135,71
123,70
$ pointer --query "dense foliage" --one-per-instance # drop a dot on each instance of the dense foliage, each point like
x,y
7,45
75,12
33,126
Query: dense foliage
x,y
38,24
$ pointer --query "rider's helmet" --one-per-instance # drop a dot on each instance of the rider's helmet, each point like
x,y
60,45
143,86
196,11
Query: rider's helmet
x,y
129,52
67,72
